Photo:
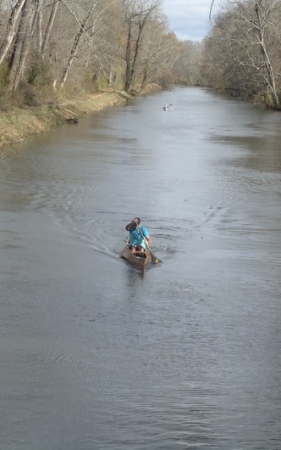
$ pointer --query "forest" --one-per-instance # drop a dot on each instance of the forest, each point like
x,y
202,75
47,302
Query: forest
x,y
50,48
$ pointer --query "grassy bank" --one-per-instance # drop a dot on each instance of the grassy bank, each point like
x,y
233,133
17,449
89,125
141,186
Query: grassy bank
x,y
17,124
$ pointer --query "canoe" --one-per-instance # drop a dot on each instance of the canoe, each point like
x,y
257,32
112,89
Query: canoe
x,y
139,261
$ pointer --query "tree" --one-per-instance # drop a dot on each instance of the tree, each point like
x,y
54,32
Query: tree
x,y
188,64
137,16
243,46
264,12
81,30
22,42
11,30
45,40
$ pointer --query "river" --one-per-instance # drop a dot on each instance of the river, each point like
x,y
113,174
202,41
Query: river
x,y
95,356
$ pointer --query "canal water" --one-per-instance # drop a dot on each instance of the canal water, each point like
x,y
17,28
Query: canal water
x,y
95,356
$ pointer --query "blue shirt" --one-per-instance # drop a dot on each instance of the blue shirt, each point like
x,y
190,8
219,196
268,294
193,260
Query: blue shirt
x,y
137,235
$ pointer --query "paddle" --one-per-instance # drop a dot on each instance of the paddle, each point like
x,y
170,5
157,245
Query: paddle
x,y
154,258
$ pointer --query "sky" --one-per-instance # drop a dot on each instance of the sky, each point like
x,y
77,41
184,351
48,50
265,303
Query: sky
x,y
189,19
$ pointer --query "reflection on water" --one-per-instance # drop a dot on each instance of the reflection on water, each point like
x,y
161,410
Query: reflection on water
x,y
97,356
263,152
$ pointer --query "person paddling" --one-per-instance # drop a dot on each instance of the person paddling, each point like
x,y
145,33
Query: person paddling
x,y
139,236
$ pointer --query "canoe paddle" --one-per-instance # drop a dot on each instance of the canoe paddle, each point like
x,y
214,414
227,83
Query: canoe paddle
x,y
154,258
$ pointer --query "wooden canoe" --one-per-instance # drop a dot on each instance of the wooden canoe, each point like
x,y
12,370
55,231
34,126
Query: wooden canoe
x,y
137,260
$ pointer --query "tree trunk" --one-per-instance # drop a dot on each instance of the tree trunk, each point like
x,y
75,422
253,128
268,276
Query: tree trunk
x,y
49,28
74,49
137,47
11,29
138,16
269,70
28,23
39,20
128,58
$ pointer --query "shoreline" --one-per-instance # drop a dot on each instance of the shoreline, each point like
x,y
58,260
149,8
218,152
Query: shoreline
x,y
18,124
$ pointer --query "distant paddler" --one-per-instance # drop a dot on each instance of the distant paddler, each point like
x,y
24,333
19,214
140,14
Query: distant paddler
x,y
166,107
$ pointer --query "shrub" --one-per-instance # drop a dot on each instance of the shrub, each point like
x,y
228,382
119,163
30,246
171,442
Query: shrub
x,y
4,74
39,73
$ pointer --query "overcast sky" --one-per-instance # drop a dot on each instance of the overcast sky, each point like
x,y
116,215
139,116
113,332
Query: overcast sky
x,y
189,19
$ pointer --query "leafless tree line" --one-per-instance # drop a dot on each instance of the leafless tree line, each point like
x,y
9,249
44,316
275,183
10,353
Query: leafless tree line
x,y
121,43
242,53
127,44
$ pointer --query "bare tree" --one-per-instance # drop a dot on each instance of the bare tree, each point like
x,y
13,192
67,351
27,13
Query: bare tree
x,y
264,11
137,16
87,28
159,55
121,43
50,24
11,29
244,48
22,42
77,38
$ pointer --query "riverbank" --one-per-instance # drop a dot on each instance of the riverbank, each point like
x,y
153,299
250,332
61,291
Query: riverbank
x,y
18,124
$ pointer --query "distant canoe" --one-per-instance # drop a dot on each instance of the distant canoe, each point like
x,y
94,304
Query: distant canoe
x,y
139,261
166,107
